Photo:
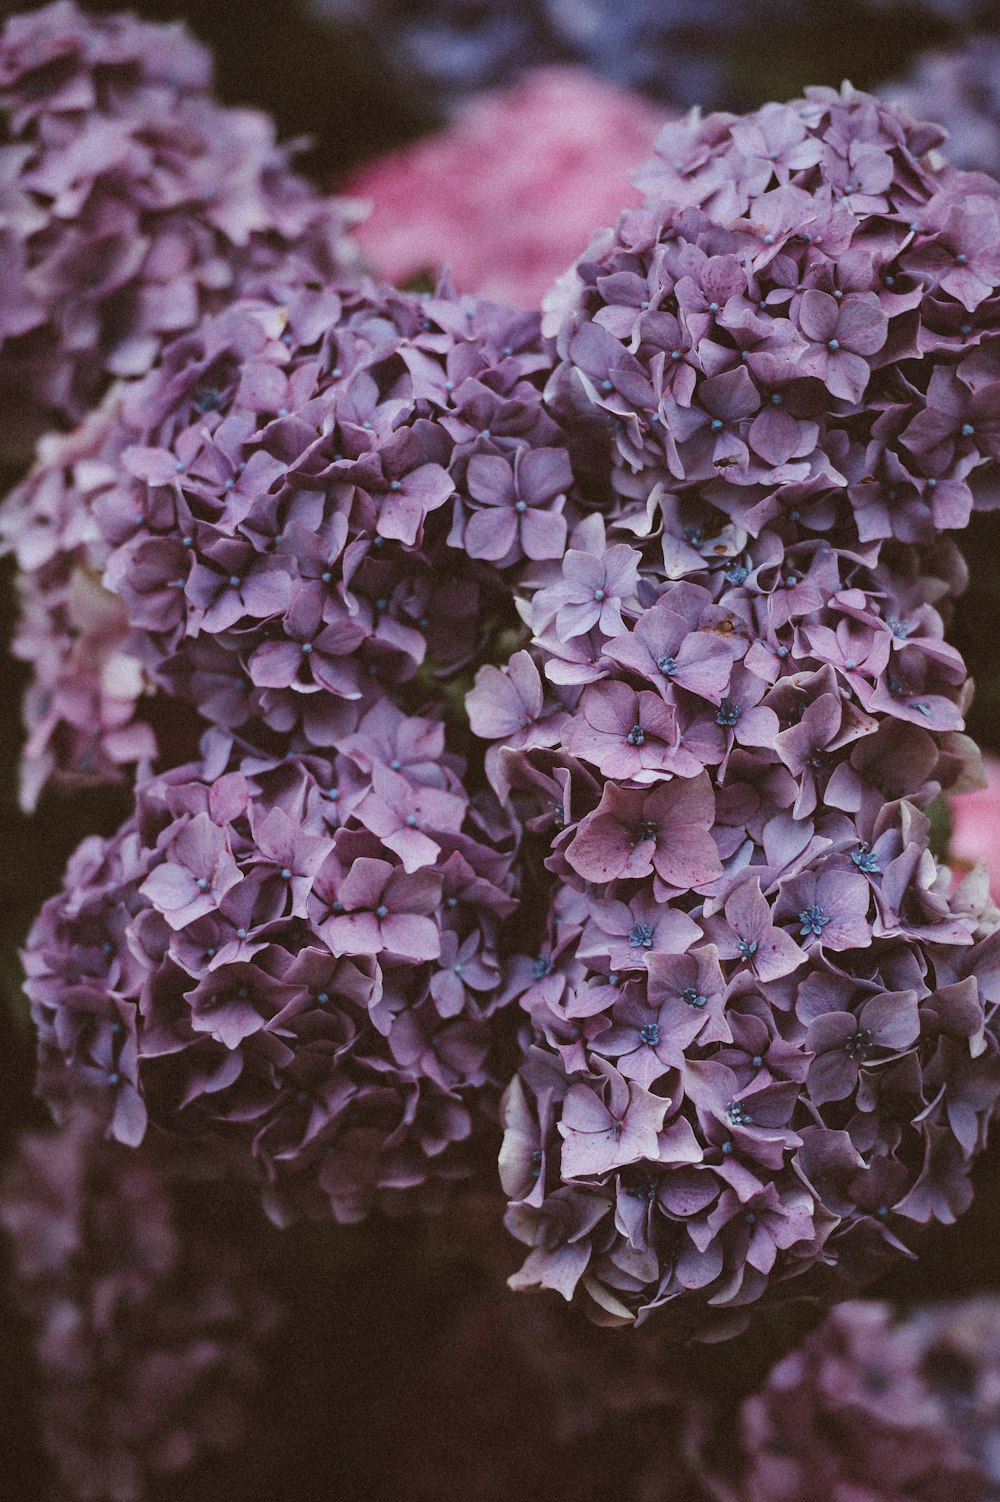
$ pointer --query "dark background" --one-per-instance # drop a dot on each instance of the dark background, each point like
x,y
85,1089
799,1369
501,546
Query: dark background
x,y
368,1307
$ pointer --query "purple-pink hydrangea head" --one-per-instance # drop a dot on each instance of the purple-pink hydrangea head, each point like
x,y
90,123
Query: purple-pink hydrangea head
x,y
757,1042
293,960
85,707
795,328
316,497
737,1078
295,525
134,204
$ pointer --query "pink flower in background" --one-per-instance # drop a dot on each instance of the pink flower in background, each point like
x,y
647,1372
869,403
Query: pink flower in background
x,y
510,194
975,826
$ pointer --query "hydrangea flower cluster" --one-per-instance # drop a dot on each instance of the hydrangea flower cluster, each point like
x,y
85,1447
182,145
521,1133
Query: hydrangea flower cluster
x,y
148,1342
306,505
509,194
292,960
803,301
85,706
755,1044
959,89
133,203
874,1408
758,1042
670,51
326,496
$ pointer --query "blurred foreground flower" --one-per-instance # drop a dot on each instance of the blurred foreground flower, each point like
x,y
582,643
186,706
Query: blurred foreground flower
x,y
873,1408
148,1332
509,195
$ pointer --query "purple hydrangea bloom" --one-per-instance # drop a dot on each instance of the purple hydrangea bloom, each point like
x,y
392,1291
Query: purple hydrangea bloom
x,y
84,710
147,1338
768,710
286,508
817,305
134,204
249,964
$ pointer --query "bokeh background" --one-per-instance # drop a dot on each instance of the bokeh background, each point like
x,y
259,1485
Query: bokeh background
x,y
371,1312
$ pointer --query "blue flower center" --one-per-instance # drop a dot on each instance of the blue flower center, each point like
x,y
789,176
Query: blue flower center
x,y
641,936
866,860
542,966
856,1046
650,1034
693,997
813,920
746,948
636,736
728,713
737,1115
667,666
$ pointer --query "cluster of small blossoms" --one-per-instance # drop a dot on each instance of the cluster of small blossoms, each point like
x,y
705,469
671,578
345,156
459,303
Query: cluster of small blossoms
x,y
83,709
133,204
758,1042
877,1409
290,960
958,88
675,52
798,330
324,499
310,501
148,1345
